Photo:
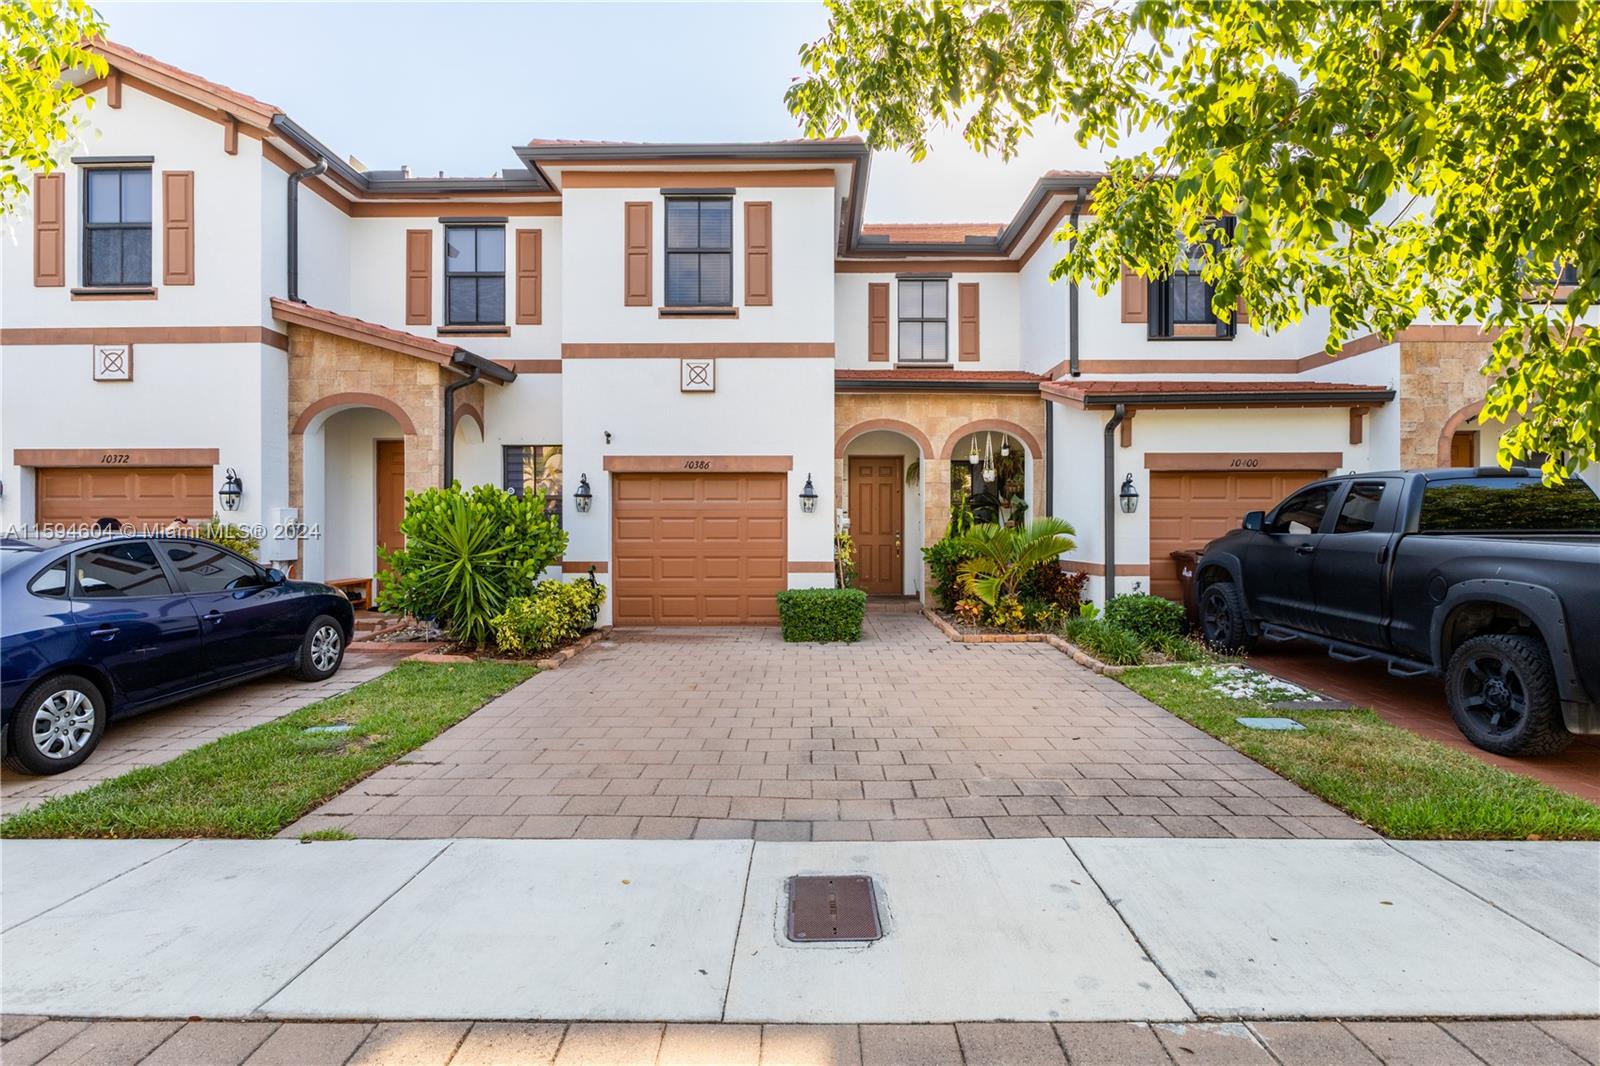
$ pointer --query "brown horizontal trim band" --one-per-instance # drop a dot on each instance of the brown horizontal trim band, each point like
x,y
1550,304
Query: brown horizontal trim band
x,y
574,566
146,335
738,163
112,458
695,350
799,567
699,464
442,208
532,366
889,265
697,312
1242,462
659,179
114,294
1099,570
474,331
1188,366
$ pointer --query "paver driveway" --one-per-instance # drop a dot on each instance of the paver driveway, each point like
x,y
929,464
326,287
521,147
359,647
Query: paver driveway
x,y
904,736
164,734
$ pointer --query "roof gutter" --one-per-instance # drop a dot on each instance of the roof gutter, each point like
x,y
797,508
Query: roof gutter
x,y
1230,399
293,222
1108,491
1072,293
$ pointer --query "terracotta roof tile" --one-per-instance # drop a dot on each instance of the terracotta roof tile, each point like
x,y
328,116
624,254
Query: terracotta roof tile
x,y
348,326
1090,393
930,232
114,51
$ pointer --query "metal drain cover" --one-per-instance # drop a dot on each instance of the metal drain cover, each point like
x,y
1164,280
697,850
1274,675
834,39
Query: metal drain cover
x,y
841,907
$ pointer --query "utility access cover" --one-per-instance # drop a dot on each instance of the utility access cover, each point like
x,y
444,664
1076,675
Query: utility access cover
x,y
841,907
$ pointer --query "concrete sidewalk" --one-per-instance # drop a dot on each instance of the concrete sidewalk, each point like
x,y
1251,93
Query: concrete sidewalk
x,y
1045,930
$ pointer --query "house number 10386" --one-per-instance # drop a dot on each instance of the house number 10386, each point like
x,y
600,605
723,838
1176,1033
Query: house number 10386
x,y
697,464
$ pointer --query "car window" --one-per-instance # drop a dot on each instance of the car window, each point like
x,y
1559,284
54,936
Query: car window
x,y
1302,512
51,581
1360,510
204,567
126,569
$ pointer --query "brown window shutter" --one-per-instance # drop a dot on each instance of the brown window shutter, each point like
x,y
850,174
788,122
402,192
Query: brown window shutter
x,y
1135,297
49,229
878,321
758,254
636,254
967,320
177,227
419,277
530,295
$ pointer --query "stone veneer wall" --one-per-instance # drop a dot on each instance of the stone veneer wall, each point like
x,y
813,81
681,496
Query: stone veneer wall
x,y
1438,380
940,416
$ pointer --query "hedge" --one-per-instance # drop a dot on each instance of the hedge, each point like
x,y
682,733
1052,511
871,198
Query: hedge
x,y
822,614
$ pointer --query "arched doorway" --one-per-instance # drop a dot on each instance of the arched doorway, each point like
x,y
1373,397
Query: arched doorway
x,y
880,479
354,486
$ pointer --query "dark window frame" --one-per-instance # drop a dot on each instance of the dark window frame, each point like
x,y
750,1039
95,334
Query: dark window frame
x,y
921,319
1168,313
478,276
698,251
1329,489
514,457
89,228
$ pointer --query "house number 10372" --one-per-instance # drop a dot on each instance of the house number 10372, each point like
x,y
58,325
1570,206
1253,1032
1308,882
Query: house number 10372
x,y
115,458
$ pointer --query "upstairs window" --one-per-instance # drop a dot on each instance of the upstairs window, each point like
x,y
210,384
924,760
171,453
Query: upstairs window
x,y
699,252
475,275
116,227
1180,305
924,320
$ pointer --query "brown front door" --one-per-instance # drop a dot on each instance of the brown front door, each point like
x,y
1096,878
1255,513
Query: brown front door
x,y
877,524
391,494
1464,449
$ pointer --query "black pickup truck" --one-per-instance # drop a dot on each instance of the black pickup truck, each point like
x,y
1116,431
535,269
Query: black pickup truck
x,y
1486,576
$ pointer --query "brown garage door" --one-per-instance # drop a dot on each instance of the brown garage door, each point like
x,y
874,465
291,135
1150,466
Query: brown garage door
x,y
705,549
1189,509
141,496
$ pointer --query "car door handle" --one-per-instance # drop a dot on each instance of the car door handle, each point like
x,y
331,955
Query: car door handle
x,y
1305,549
105,632
214,617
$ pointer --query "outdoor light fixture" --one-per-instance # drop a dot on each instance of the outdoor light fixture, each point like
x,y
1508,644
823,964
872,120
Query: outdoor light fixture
x,y
1128,497
232,488
808,497
582,498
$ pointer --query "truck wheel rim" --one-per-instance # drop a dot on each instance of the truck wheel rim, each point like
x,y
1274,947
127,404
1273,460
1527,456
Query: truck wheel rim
x,y
1218,619
63,724
1493,693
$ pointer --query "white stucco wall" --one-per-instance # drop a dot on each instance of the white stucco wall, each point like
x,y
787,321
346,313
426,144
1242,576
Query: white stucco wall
x,y
1042,311
1000,331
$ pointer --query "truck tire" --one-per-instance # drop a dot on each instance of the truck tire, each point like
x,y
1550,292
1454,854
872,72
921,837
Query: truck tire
x,y
1503,696
1222,618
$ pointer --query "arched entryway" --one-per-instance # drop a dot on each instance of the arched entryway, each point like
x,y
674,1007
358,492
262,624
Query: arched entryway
x,y
879,473
353,490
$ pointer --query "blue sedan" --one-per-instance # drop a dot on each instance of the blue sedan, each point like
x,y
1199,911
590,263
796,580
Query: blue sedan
x,y
99,628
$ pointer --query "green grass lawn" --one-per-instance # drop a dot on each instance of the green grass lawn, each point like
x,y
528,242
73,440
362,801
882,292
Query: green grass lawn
x,y
1398,783
253,783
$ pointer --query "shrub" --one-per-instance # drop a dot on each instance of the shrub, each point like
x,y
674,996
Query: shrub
x,y
1047,583
1042,617
1001,556
467,554
1105,641
1183,650
822,614
1147,617
970,610
944,559
556,612
1007,614
229,536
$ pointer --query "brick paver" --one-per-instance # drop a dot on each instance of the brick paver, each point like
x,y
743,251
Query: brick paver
x,y
718,733
1497,1043
164,734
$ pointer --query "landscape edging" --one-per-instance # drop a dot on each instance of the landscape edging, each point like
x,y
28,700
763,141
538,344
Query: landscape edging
x,y
1077,654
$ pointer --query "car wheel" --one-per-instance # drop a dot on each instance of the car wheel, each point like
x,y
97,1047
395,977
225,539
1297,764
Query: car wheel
x,y
321,650
1503,696
56,725
1222,618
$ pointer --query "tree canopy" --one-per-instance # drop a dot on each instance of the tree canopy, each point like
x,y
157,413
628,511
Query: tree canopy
x,y
40,40
1394,163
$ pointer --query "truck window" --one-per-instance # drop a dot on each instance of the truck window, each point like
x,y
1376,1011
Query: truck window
x,y
1302,512
1508,505
1360,510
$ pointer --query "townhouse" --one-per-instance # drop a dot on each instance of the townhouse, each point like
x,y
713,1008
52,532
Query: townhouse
x,y
704,354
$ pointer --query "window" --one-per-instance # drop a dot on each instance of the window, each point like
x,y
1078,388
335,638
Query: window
x,y
116,226
475,275
204,567
699,252
535,468
1360,510
51,581
1180,305
1508,505
1302,512
924,320
126,569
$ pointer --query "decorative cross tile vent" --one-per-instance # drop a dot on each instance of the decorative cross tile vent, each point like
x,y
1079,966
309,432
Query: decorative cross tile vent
x,y
832,908
113,362
697,375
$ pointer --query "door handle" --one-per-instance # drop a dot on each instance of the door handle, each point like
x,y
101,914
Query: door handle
x,y
1305,549
214,617
104,632
897,545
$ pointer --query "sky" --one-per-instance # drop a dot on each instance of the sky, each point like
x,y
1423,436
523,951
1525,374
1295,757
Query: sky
x,y
453,87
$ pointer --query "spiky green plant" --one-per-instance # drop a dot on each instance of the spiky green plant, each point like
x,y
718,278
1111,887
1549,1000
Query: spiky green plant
x,y
1002,556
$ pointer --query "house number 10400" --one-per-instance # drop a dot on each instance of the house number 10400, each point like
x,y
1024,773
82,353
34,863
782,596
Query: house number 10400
x,y
1247,463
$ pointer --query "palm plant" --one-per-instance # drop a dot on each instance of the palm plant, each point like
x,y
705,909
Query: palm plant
x,y
1002,556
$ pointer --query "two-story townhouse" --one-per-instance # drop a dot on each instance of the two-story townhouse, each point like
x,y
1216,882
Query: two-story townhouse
x,y
703,353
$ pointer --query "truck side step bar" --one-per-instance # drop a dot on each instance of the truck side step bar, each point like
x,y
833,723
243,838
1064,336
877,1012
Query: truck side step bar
x,y
1348,653
1277,634
1402,668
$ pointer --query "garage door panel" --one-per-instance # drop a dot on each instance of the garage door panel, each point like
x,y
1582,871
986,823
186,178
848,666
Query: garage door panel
x,y
699,549
137,496
1187,510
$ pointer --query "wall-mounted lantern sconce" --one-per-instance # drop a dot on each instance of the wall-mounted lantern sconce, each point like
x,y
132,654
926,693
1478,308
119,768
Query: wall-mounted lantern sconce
x,y
808,497
232,488
582,498
1128,497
